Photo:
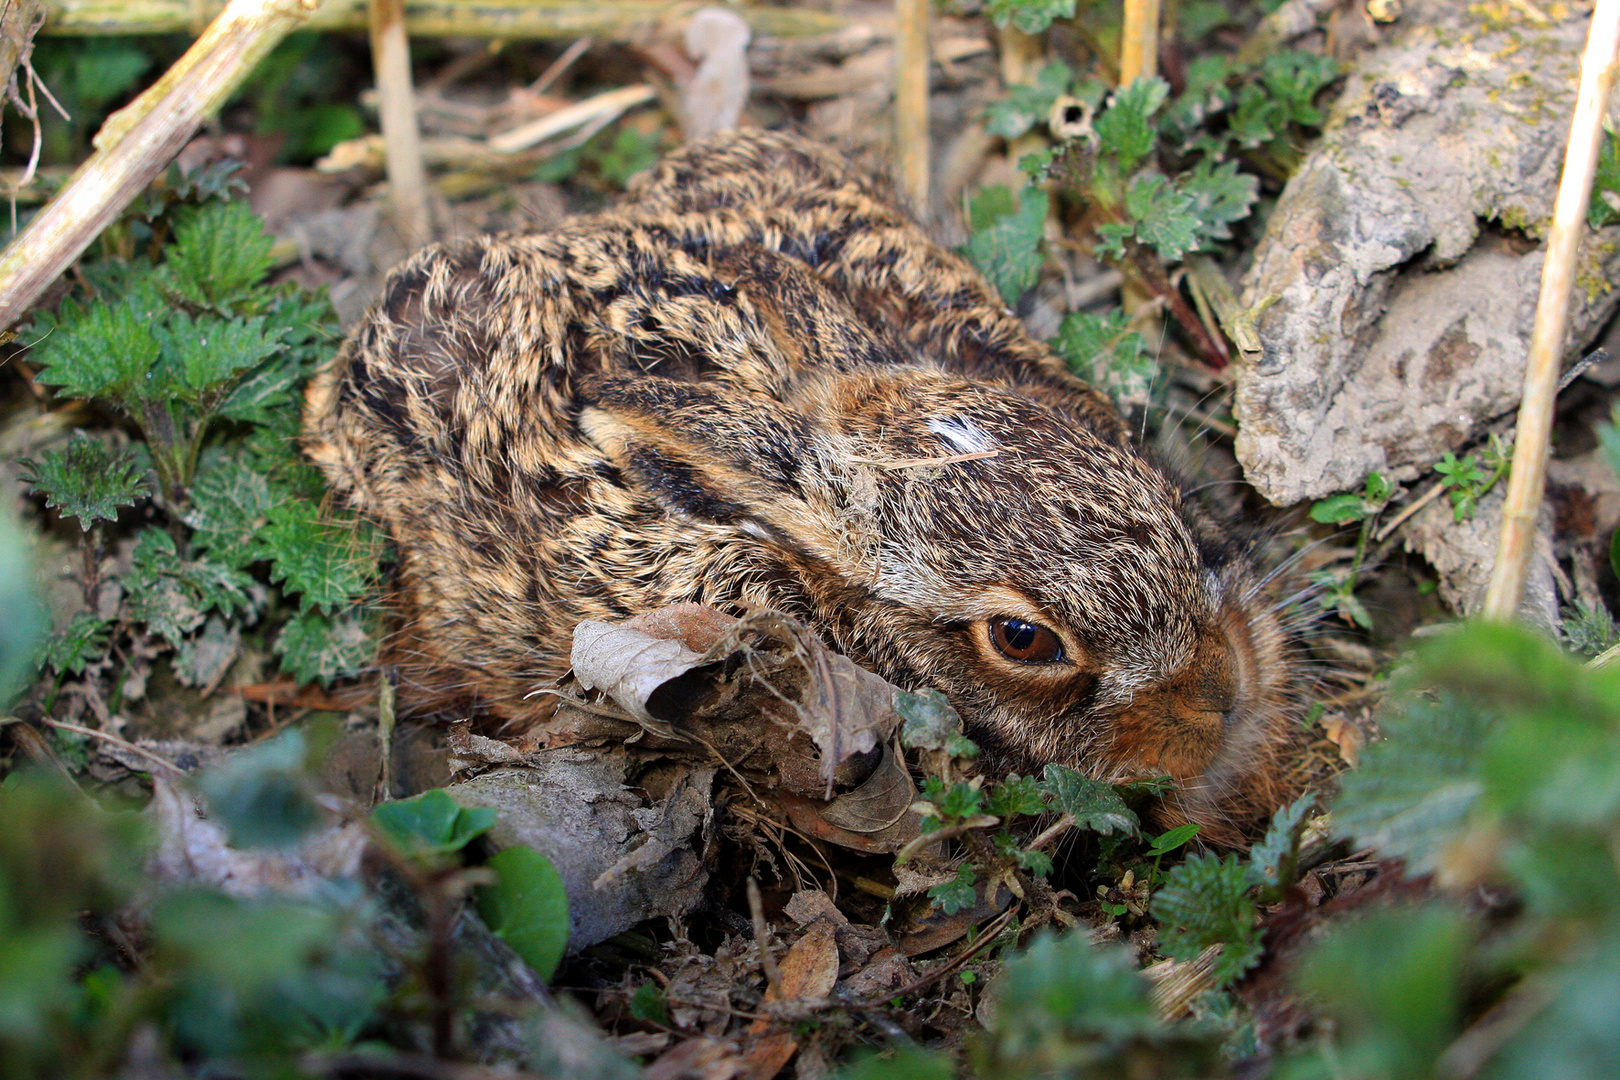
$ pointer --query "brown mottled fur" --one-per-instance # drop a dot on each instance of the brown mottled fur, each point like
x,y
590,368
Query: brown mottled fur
x,y
703,395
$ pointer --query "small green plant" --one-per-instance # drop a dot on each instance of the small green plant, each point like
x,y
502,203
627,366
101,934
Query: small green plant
x,y
1338,587
1468,480
978,813
190,348
1148,180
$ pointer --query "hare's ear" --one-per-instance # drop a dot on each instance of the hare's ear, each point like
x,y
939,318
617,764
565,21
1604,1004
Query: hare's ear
x,y
722,457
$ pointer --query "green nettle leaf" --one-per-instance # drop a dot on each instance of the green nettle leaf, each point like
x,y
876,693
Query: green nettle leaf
x,y
230,504
1220,196
172,595
433,823
1126,127
1413,789
1065,1002
527,907
1025,105
956,895
1295,78
107,352
328,563
1392,984
1339,509
87,481
1576,1036
1164,217
1094,805
83,639
318,648
1204,902
1030,16
1604,209
208,352
1272,862
647,1004
1008,251
219,256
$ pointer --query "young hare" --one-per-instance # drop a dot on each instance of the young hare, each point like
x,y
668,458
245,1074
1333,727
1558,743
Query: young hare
x,y
756,383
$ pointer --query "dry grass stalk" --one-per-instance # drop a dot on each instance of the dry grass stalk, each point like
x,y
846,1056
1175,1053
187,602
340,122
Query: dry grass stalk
x,y
402,142
609,105
1139,41
1527,480
605,20
911,65
138,142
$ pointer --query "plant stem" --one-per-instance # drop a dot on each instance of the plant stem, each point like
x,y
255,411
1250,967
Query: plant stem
x,y
604,20
1527,480
402,142
911,103
1141,264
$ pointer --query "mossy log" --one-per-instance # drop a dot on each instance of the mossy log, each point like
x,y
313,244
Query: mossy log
x,y
615,20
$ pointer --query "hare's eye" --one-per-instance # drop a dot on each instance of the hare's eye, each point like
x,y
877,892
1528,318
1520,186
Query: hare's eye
x,y
1025,642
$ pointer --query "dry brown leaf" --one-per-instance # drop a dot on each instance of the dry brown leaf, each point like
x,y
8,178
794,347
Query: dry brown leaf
x,y
696,1059
809,972
1343,733
632,667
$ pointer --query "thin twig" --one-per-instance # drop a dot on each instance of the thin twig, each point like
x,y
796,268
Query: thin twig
x,y
911,65
1527,480
610,104
109,737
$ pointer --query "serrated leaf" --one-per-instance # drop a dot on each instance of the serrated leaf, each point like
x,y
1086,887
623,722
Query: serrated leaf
x,y
1204,902
172,595
1220,196
83,639
327,563
1163,217
106,352
1339,509
1257,119
1095,806
433,823
1100,349
1412,790
208,353
1007,252
1014,796
1126,128
1272,860
219,255
318,648
1025,105
1392,981
1065,991
1029,16
1295,78
958,894
87,481
527,907
230,505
